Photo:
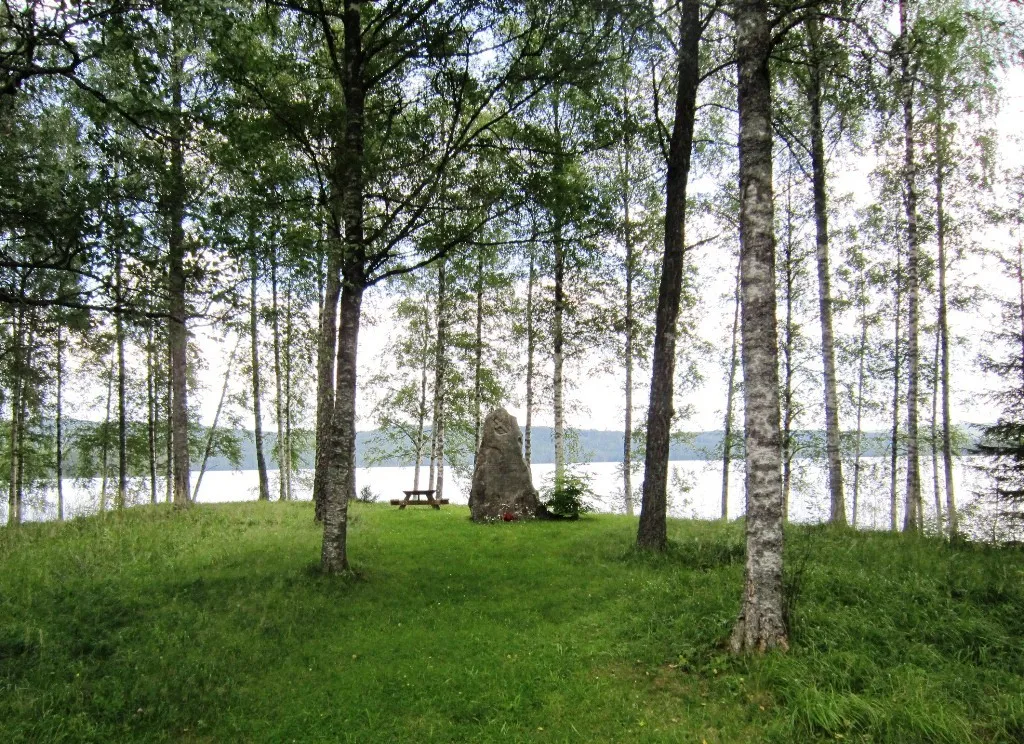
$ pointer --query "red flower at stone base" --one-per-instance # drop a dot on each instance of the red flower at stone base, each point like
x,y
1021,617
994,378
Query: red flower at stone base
x,y
508,517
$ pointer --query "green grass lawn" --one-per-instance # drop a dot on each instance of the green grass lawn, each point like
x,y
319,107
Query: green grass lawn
x,y
213,625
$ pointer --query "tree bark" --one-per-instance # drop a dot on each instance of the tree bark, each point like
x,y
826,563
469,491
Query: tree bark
x,y
325,374
897,365
558,345
60,425
340,486
652,533
151,413
947,426
628,332
788,348
832,432
105,449
421,412
933,440
177,326
861,354
761,624
911,516
122,412
436,476
17,387
278,382
288,333
730,395
261,460
531,345
478,353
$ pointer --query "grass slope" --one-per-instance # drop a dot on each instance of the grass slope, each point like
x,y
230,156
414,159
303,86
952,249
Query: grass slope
x,y
213,626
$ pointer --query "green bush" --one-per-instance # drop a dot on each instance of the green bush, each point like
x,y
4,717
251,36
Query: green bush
x,y
566,496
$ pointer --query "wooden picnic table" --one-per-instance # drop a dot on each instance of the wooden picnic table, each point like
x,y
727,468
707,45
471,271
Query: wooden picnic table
x,y
419,499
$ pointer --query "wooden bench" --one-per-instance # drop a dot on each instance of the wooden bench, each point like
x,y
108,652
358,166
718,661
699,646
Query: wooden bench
x,y
419,500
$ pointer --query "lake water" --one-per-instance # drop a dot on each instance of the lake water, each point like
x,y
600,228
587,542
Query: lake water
x,y
694,491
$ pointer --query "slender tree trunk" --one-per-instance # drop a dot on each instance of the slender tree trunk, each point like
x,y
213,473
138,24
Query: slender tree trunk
x,y
288,334
212,433
761,625
60,425
436,480
788,348
278,382
627,352
325,375
151,413
122,413
341,461
261,460
912,513
531,346
169,411
897,365
861,354
729,398
341,474
421,411
105,450
17,388
828,357
558,341
934,438
947,426
177,328
478,353
652,531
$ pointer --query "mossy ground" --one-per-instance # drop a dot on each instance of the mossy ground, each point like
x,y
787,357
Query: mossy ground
x,y
213,625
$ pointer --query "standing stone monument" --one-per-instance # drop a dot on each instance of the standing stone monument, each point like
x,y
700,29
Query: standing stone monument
x,y
502,485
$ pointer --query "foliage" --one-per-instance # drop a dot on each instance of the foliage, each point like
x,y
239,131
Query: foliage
x,y
570,495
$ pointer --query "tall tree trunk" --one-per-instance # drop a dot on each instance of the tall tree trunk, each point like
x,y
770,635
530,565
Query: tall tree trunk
x,y
933,440
531,345
151,412
421,410
761,624
288,333
912,514
325,374
436,447
837,513
341,463
169,413
858,435
478,353
278,382
730,395
652,533
17,388
341,474
558,344
105,449
627,351
788,348
177,331
894,439
122,413
60,424
261,460
947,426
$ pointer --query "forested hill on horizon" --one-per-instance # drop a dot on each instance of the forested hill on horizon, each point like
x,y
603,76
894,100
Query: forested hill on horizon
x,y
593,445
